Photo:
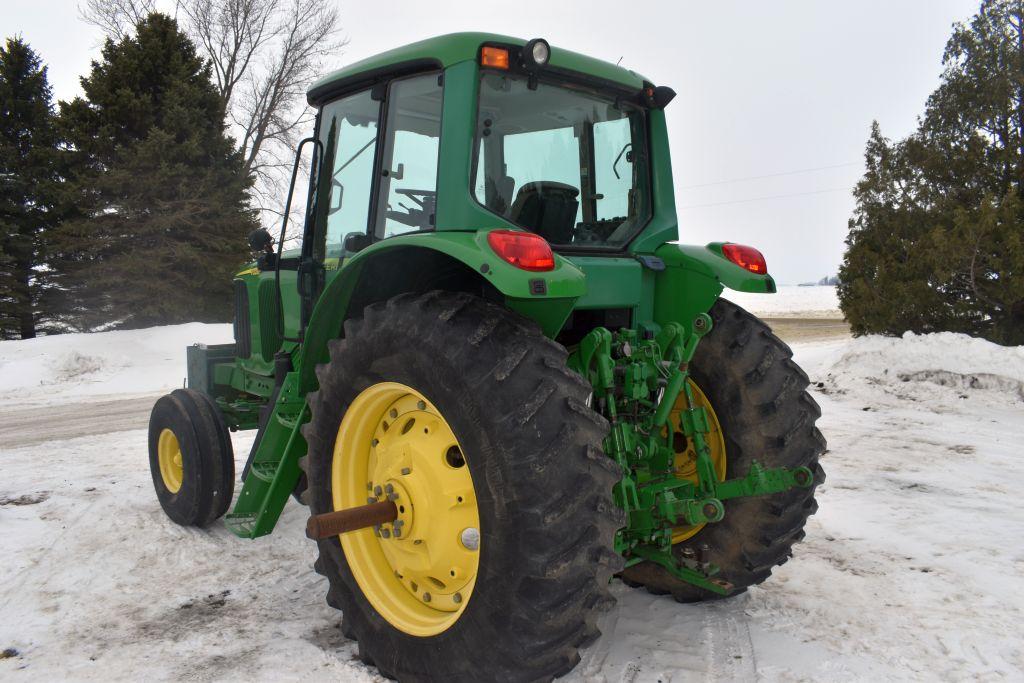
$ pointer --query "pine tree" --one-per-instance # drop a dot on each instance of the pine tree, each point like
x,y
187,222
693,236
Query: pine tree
x,y
935,242
28,174
163,211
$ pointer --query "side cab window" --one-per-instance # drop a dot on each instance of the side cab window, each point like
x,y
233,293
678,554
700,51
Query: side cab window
x,y
348,132
394,187
407,197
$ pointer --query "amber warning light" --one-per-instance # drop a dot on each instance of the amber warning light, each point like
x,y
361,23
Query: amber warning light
x,y
494,57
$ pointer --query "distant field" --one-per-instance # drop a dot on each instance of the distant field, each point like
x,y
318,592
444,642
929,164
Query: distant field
x,y
790,302
792,330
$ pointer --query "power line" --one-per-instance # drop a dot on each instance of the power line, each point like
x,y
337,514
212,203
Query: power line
x,y
771,175
761,199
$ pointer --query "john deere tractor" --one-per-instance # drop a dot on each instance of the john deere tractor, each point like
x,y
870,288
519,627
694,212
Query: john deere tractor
x,y
491,372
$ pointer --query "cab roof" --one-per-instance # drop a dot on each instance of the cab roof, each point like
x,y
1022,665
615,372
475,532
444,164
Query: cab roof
x,y
444,51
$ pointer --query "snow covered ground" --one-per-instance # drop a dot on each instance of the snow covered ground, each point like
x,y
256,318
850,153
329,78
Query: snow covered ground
x,y
122,363
913,568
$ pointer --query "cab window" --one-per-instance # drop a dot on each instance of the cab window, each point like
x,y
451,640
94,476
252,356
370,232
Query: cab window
x,y
348,131
407,197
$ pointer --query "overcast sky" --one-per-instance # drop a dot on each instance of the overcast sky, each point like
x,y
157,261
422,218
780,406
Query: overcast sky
x,y
764,89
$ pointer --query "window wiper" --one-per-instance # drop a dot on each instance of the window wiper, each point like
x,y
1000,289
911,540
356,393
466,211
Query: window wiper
x,y
361,150
616,162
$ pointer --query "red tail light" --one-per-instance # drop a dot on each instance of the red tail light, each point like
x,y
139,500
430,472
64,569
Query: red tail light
x,y
522,249
745,257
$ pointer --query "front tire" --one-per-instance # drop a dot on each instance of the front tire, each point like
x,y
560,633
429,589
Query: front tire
x,y
541,483
190,458
759,397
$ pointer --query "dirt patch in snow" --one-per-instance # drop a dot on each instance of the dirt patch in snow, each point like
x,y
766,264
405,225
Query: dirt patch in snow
x,y
27,499
74,366
970,381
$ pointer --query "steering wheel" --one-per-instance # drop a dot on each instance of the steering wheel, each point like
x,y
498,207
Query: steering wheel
x,y
419,216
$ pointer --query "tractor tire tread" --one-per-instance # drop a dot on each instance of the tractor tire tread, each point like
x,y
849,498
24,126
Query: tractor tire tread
x,y
551,567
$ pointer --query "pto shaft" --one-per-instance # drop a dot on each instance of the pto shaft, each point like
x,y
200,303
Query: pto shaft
x,y
333,523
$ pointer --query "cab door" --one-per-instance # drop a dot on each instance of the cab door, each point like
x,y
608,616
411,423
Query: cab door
x,y
374,181
349,134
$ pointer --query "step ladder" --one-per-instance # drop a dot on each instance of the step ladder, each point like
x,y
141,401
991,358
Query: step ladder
x,y
275,467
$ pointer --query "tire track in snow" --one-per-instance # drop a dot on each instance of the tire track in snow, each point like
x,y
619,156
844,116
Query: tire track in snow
x,y
654,638
44,423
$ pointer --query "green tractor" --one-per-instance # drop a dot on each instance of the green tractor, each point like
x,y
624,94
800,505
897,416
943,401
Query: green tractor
x,y
490,371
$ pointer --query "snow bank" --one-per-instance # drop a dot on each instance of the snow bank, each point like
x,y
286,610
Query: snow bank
x,y
790,302
68,366
134,362
917,367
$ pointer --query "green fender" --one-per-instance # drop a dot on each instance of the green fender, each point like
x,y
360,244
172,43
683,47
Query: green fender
x,y
694,277
545,297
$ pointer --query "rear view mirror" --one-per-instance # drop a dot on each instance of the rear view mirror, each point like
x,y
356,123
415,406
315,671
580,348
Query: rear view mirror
x,y
356,242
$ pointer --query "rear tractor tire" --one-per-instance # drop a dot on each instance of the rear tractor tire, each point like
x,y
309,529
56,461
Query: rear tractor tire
x,y
466,416
190,458
758,398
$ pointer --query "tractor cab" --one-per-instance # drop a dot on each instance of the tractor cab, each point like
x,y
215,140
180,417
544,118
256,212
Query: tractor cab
x,y
547,149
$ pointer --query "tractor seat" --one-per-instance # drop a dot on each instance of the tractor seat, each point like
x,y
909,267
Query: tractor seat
x,y
548,209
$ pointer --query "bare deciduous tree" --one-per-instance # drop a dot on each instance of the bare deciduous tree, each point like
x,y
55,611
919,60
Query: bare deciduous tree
x,y
116,18
264,53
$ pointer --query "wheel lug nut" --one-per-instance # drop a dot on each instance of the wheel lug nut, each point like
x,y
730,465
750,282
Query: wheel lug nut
x,y
457,598
371,499
392,496
470,538
385,533
426,597
389,488
406,470
377,490
393,413
421,405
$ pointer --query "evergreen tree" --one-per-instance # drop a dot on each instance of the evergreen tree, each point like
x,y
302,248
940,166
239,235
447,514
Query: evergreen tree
x,y
28,155
935,242
163,212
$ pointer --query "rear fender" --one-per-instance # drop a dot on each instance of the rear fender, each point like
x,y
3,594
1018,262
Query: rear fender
x,y
453,261
694,277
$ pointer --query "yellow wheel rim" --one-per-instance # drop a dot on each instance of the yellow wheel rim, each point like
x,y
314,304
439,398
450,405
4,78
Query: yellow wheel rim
x,y
169,457
686,459
393,441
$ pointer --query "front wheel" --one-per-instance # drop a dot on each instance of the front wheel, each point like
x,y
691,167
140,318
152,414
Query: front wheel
x,y
190,458
466,416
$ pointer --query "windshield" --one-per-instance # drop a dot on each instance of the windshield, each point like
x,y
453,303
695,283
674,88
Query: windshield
x,y
565,163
